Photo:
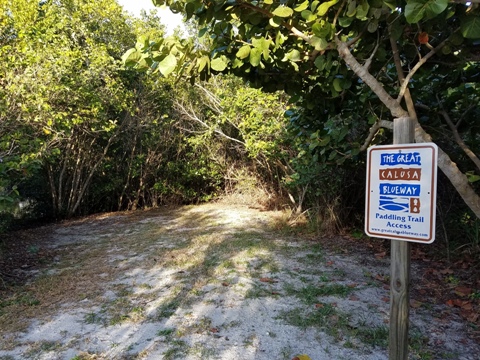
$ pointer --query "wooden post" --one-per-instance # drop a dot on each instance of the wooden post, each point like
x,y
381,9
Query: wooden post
x,y
403,133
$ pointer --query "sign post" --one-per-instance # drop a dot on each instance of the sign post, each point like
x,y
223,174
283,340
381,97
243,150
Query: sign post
x,y
400,205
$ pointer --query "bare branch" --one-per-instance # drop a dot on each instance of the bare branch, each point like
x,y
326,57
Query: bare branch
x,y
417,66
338,13
401,76
471,107
213,99
373,131
458,138
368,63
190,114
374,84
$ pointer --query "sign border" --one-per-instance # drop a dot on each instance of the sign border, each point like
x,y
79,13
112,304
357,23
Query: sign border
x,y
433,199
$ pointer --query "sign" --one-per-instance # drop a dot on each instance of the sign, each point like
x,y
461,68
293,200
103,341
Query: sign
x,y
401,192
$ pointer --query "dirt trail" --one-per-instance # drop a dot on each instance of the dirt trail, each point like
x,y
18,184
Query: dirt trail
x,y
210,282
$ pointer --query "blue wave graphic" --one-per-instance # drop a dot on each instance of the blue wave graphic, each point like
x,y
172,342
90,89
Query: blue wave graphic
x,y
399,204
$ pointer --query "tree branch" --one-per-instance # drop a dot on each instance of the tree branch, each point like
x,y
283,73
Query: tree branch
x,y
212,98
473,106
191,115
368,63
459,140
417,66
401,77
373,130
344,52
337,14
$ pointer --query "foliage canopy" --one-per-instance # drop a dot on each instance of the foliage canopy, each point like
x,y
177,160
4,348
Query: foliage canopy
x,y
353,63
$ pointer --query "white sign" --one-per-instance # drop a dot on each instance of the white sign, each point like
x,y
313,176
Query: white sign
x,y
401,192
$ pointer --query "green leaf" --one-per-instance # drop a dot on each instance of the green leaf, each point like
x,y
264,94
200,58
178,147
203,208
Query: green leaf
x,y
338,84
243,52
131,57
275,21
237,63
372,26
397,31
279,39
320,63
323,8
416,10
283,12
293,55
392,4
456,39
319,43
255,56
325,141
352,8
261,43
167,65
322,29
219,64
470,27
204,60
202,32
345,21
308,16
190,10
472,177
142,42
362,10
255,18
302,6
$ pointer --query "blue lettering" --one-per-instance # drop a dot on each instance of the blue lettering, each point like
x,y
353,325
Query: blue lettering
x,y
399,189
393,159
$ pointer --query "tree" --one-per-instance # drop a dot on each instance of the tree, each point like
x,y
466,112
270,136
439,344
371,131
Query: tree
x,y
64,93
371,56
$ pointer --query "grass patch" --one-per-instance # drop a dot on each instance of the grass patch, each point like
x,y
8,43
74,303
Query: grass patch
x,y
168,333
167,309
42,347
418,347
315,255
85,356
201,351
309,294
93,318
335,323
303,318
374,336
202,326
178,350
24,299
257,291
117,311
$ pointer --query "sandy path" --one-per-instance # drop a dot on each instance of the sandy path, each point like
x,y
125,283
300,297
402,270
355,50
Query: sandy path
x,y
210,282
